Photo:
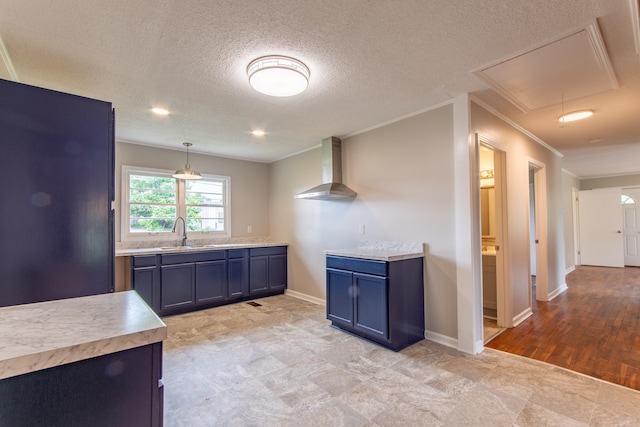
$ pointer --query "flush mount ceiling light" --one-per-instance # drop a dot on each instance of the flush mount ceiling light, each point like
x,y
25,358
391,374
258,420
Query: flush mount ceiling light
x,y
160,111
187,173
278,75
575,115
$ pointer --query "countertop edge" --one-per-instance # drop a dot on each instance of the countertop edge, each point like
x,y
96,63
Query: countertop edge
x,y
204,248
27,361
377,255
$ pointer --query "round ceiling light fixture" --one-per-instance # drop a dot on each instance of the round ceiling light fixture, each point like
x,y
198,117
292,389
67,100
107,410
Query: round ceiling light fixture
x,y
575,115
278,75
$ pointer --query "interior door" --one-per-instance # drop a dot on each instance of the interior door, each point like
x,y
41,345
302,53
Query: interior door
x,y
601,227
631,226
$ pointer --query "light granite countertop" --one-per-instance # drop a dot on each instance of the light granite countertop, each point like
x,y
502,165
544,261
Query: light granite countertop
x,y
52,333
381,251
195,248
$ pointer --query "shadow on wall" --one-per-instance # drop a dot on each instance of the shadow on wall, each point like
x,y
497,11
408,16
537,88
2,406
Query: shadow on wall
x,y
440,278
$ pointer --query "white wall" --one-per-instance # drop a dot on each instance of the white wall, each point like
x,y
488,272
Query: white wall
x,y
403,174
520,150
249,182
569,182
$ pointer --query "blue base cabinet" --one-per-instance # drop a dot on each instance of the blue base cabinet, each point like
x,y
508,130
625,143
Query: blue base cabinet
x,y
181,282
377,300
267,270
117,389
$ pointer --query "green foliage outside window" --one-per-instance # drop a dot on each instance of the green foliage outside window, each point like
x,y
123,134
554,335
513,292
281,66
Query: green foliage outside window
x,y
153,204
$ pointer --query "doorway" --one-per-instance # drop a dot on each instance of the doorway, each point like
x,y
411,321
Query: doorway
x,y
492,168
630,201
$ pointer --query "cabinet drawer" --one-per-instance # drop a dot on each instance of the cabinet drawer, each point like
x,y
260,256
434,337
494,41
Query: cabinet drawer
x,y
378,268
273,250
235,253
169,259
144,261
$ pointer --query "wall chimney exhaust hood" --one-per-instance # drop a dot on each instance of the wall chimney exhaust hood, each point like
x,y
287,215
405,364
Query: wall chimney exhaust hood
x,y
332,187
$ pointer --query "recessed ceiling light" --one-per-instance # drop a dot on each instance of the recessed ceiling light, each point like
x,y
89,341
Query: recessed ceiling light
x,y
575,115
160,111
278,75
258,133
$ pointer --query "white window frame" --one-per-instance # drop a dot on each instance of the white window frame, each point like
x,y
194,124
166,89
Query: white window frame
x,y
125,235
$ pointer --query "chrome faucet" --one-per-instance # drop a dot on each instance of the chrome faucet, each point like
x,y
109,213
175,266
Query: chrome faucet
x,y
184,230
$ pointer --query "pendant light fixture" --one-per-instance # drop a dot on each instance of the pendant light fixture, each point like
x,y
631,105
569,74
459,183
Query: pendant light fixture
x,y
278,75
187,173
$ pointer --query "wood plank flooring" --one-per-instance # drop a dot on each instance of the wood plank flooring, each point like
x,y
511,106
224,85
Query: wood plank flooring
x,y
592,328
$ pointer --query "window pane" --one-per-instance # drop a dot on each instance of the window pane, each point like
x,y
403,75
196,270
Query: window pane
x,y
205,224
204,193
204,199
152,182
627,200
152,203
204,218
151,196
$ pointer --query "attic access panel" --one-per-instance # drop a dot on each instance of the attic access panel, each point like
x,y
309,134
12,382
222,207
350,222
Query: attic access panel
x,y
572,67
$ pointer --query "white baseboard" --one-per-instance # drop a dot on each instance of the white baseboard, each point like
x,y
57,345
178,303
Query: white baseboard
x,y
522,316
558,291
570,269
441,339
305,297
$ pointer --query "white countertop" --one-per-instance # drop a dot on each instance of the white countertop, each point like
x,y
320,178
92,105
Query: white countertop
x,y
198,248
376,253
47,334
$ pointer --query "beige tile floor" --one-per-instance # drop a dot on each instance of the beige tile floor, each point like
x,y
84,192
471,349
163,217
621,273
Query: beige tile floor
x,y
491,329
281,364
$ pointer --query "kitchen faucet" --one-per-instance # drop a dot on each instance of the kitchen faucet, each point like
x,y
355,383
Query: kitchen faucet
x,y
184,230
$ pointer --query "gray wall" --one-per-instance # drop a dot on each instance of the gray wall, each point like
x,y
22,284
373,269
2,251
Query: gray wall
x,y
249,182
612,181
403,173
521,149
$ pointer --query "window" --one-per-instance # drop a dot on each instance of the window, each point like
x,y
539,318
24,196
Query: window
x,y
627,200
153,199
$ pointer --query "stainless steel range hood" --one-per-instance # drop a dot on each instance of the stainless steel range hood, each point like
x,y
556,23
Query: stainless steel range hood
x,y
332,187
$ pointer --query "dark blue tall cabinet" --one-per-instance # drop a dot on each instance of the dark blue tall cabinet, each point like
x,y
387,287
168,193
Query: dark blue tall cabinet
x,y
57,184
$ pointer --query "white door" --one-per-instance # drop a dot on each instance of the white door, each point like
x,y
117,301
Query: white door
x,y
600,214
631,226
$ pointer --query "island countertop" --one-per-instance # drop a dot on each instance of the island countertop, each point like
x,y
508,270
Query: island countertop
x,y
52,333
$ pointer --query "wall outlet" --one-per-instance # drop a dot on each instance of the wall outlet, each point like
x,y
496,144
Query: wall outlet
x,y
361,228
249,229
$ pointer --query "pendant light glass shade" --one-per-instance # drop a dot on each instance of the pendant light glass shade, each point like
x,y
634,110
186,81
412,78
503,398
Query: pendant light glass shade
x,y
187,172
278,76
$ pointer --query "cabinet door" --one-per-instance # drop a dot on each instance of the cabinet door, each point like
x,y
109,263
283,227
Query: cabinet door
x,y
258,274
177,286
277,272
211,280
340,296
237,277
143,284
371,308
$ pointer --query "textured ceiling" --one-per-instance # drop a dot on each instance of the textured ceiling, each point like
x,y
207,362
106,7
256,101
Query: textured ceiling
x,y
370,61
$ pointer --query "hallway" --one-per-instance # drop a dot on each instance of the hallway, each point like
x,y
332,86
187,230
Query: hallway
x,y
592,328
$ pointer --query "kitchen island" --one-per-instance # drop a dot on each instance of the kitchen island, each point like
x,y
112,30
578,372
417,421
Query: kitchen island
x,y
94,360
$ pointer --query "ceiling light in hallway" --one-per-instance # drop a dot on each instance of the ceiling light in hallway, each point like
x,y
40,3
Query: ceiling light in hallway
x,y
575,115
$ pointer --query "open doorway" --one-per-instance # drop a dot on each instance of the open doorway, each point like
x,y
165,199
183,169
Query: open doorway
x,y
491,167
